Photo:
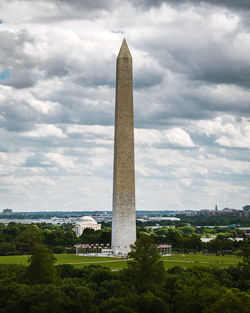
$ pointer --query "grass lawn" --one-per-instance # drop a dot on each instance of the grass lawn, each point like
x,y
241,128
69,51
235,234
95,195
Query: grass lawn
x,y
189,260
183,260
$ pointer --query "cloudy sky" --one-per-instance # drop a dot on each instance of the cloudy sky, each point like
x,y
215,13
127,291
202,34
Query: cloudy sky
x,y
191,97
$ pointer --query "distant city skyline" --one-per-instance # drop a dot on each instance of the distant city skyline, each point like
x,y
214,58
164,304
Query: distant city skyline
x,y
191,101
103,211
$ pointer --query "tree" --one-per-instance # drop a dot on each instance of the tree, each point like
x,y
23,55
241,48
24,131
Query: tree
x,y
220,246
105,236
7,248
187,230
245,253
133,303
174,237
12,272
148,303
193,242
31,236
116,305
35,299
12,229
90,235
69,238
230,302
146,270
194,289
41,269
78,299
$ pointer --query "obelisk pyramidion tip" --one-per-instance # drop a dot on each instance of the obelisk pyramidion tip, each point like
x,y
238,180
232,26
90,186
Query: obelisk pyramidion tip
x,y
124,51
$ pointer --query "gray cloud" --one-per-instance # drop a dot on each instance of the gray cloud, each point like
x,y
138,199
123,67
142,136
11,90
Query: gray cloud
x,y
216,61
38,160
19,78
60,10
3,149
146,77
191,98
56,66
17,116
14,57
241,4
88,4
217,66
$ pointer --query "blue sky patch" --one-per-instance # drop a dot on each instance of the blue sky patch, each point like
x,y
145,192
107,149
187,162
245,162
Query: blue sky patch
x,y
5,74
117,31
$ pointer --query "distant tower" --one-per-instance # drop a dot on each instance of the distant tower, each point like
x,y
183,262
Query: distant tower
x,y
123,214
216,207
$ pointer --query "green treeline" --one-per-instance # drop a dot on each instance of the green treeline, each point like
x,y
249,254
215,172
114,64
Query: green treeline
x,y
215,220
17,238
143,287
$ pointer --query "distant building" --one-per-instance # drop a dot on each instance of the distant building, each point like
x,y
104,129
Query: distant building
x,y
7,211
246,208
229,212
246,213
164,218
146,219
245,230
224,212
165,249
85,222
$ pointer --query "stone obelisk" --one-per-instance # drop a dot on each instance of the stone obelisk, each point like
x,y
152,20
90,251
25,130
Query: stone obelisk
x,y
123,214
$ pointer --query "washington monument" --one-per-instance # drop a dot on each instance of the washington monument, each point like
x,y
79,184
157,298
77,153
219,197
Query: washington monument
x,y
123,214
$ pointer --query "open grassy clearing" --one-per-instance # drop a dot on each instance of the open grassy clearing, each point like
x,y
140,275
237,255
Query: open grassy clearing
x,y
189,260
15,259
183,260
61,259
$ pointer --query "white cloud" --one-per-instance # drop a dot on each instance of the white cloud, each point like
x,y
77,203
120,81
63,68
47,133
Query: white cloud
x,y
179,136
227,131
42,131
61,160
173,136
97,130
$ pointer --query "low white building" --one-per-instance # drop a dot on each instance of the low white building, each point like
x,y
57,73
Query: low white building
x,y
85,222
245,230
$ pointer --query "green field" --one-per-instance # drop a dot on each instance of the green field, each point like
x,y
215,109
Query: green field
x,y
183,260
189,260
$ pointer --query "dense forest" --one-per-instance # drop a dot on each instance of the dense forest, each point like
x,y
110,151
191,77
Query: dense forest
x,y
17,238
143,287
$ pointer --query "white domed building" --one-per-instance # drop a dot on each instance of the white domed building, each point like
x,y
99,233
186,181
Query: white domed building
x,y
85,222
